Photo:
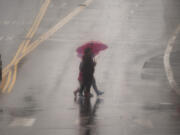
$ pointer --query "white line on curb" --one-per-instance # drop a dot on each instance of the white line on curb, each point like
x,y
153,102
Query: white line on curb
x,y
167,65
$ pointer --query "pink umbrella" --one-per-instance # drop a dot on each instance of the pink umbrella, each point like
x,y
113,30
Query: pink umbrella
x,y
96,47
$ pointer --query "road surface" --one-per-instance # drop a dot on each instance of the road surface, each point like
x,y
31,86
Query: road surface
x,y
38,40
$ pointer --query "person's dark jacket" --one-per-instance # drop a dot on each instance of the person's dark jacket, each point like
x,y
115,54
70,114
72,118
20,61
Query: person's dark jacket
x,y
87,69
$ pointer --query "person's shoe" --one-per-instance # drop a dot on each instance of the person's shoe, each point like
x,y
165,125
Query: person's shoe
x,y
88,95
100,93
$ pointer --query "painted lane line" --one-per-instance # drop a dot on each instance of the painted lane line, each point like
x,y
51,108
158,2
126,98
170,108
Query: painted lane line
x,y
54,29
47,35
3,82
36,23
29,34
25,43
13,79
58,26
6,69
167,65
7,82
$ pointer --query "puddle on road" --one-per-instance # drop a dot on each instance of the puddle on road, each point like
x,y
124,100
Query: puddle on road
x,y
20,116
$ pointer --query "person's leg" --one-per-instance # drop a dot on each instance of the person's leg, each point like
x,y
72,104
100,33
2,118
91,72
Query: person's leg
x,y
82,86
78,89
87,90
95,87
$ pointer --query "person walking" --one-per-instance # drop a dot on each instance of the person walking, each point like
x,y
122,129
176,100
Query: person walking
x,y
87,71
98,92
95,47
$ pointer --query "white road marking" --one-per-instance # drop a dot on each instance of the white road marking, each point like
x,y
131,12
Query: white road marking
x,y
26,122
167,65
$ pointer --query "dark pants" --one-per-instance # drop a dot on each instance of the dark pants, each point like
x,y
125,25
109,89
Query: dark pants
x,y
85,87
95,86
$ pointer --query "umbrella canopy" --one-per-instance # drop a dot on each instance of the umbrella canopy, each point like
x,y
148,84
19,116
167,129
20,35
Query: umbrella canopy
x,y
95,46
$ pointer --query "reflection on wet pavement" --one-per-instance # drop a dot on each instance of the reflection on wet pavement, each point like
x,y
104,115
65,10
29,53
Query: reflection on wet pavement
x,y
28,110
19,116
87,115
137,98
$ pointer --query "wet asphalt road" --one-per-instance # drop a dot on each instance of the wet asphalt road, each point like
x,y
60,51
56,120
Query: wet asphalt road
x,y
138,99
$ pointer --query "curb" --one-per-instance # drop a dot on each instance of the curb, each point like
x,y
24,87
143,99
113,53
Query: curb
x,y
167,65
